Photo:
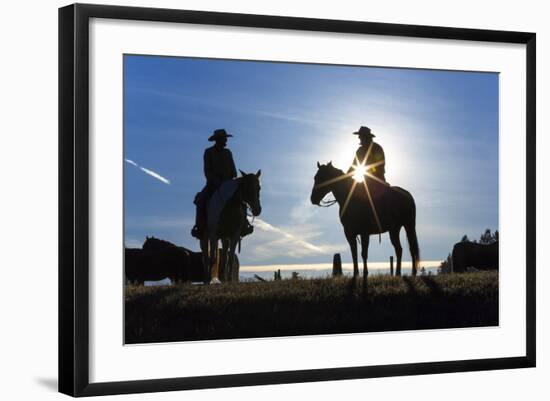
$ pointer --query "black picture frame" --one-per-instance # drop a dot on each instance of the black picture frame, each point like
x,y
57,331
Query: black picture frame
x,y
74,198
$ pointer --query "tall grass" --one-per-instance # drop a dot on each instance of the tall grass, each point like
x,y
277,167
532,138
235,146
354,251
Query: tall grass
x,y
317,306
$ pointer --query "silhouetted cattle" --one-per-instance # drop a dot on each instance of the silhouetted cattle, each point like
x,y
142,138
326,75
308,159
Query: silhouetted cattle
x,y
470,254
159,259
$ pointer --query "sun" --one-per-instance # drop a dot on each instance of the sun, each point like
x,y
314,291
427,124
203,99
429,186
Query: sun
x,y
359,172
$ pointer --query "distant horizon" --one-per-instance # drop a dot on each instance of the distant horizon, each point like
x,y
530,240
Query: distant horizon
x,y
323,266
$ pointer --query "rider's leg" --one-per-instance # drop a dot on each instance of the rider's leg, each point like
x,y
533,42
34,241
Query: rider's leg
x,y
200,216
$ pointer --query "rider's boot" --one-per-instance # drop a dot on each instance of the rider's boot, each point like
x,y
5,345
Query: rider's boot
x,y
198,229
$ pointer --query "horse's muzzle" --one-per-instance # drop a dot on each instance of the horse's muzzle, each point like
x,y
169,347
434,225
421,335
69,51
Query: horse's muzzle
x,y
256,211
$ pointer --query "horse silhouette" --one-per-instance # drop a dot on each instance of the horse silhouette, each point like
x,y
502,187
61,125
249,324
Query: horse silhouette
x,y
370,207
479,256
227,227
157,260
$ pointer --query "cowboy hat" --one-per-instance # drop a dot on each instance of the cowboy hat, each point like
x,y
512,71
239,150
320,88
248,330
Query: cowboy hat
x,y
219,134
364,131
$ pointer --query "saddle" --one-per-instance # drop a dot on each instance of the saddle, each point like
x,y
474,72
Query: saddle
x,y
212,208
218,200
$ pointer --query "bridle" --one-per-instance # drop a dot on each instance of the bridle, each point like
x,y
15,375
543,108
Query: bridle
x,y
326,203
248,209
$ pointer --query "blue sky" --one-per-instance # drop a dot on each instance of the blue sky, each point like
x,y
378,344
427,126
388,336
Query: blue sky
x,y
439,131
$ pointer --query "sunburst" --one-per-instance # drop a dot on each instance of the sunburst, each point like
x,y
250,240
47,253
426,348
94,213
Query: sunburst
x,y
360,171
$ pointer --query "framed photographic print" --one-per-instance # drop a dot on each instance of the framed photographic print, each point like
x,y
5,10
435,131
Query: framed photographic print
x,y
291,198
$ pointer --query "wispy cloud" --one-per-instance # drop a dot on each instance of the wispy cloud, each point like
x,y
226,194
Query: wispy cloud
x,y
265,226
269,242
149,172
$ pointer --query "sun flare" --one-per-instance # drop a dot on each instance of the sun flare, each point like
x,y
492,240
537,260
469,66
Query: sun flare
x,y
359,172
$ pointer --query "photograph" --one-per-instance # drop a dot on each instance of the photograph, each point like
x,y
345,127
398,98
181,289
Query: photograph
x,y
269,199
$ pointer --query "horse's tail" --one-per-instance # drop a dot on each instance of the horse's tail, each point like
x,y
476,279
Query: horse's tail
x,y
410,230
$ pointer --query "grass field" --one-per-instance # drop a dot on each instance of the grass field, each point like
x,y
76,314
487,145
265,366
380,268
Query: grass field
x,y
318,306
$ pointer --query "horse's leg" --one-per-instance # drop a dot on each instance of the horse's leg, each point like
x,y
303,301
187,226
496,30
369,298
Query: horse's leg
x,y
352,241
365,254
233,272
413,246
224,271
205,260
214,259
394,238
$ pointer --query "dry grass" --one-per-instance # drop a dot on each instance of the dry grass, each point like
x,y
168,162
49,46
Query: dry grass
x,y
318,306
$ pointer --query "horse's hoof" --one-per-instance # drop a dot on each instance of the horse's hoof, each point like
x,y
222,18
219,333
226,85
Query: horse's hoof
x,y
215,280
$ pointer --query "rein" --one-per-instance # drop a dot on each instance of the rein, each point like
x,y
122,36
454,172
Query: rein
x,y
248,210
241,200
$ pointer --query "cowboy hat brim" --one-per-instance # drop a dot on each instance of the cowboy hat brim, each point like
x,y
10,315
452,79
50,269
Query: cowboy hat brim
x,y
364,133
219,136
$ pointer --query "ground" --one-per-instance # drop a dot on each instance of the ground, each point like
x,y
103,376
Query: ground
x,y
319,306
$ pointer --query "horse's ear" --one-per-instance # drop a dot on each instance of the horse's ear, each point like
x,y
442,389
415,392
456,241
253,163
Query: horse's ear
x,y
242,172
318,165
259,173
330,163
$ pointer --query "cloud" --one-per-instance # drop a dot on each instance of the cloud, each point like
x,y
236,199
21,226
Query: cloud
x,y
156,175
270,242
303,212
149,172
265,226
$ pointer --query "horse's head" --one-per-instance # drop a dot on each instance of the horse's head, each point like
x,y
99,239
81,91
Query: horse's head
x,y
250,191
325,176
152,243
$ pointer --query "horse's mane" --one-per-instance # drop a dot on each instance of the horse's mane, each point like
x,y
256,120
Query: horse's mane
x,y
157,243
337,173
228,188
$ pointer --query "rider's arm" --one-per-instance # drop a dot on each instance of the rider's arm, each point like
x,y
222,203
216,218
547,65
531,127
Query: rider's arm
x,y
232,163
354,162
208,168
379,155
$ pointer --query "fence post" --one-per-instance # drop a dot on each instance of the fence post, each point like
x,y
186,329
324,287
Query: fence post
x,y
336,265
391,265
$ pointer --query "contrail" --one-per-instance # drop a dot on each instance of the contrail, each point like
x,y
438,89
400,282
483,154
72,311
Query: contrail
x,y
149,172
265,226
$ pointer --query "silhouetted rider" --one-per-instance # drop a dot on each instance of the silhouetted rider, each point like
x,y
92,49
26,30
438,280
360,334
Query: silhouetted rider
x,y
218,168
375,157
218,161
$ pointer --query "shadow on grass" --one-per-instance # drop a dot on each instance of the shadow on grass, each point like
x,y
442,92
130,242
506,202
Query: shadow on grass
x,y
307,307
